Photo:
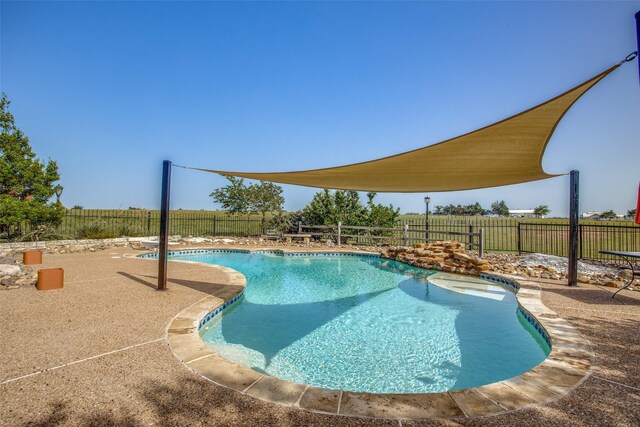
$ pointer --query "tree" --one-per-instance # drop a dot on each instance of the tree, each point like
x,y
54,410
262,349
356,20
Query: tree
x,y
26,183
234,197
380,215
500,208
327,208
631,213
265,197
467,210
608,215
474,209
261,198
542,210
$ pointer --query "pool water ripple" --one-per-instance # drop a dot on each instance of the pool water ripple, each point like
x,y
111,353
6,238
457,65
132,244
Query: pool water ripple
x,y
369,324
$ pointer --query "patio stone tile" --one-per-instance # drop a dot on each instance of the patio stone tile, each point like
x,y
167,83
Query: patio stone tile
x,y
189,347
320,399
276,390
531,389
554,378
505,396
436,405
574,361
180,323
222,372
473,404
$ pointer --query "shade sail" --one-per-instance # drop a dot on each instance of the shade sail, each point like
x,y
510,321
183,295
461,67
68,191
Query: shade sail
x,y
507,152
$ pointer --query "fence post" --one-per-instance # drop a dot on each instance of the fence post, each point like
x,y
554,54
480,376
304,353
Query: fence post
x,y
406,235
149,223
299,227
580,239
214,226
481,245
519,239
471,240
339,233
164,225
574,194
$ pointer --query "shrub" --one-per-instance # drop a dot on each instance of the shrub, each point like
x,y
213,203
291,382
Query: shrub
x,y
94,231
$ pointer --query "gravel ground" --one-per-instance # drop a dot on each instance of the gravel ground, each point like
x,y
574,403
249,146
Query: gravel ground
x,y
560,264
94,354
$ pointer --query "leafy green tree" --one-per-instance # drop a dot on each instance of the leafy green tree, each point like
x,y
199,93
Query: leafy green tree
x,y
500,208
233,197
329,208
265,197
608,215
474,209
542,210
631,213
236,197
26,183
378,215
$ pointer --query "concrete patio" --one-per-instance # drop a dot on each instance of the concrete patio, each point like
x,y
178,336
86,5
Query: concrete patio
x,y
95,353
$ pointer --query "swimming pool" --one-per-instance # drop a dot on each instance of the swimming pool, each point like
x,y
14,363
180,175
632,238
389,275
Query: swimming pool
x,y
367,324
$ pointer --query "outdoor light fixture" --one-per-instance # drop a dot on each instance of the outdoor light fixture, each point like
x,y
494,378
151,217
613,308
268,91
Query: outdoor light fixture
x,y
427,199
58,189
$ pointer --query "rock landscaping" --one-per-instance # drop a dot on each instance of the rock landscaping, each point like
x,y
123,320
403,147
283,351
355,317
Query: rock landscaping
x,y
13,274
451,257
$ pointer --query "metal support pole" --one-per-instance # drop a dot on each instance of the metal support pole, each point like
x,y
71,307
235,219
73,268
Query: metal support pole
x,y
164,225
426,220
405,238
519,239
638,37
574,195
339,233
481,247
299,227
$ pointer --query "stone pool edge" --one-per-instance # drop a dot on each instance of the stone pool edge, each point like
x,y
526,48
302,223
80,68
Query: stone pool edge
x,y
568,364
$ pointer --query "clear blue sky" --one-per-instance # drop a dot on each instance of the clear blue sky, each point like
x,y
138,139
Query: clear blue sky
x,y
110,89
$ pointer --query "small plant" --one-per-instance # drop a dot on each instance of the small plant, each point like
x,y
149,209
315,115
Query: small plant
x,y
94,231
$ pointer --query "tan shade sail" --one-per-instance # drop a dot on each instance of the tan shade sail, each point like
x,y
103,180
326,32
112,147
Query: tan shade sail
x,y
506,152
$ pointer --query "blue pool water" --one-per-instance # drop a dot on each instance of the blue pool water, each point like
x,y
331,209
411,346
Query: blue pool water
x,y
369,324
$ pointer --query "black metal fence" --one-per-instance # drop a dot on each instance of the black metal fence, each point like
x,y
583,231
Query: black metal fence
x,y
100,224
500,234
545,236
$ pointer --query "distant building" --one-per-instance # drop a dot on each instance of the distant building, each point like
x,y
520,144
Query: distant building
x,y
523,213
593,215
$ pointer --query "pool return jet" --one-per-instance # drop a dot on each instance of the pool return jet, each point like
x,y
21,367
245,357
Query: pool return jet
x,y
507,152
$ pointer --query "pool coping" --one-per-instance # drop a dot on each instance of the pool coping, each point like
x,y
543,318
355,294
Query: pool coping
x,y
568,364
